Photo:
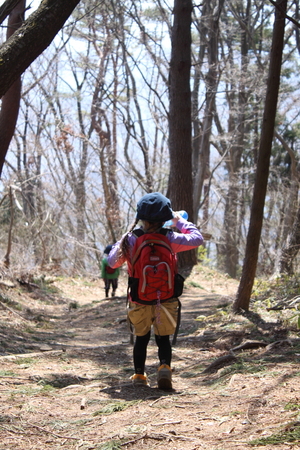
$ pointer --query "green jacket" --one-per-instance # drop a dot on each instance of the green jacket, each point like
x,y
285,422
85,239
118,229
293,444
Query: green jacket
x,y
104,274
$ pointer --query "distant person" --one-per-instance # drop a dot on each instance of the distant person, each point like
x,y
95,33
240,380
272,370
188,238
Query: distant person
x,y
154,285
109,275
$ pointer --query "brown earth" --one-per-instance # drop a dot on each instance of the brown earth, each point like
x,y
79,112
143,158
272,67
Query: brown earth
x,y
66,362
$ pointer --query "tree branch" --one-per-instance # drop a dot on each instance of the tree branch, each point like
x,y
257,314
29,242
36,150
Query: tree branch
x,y
297,24
32,38
7,8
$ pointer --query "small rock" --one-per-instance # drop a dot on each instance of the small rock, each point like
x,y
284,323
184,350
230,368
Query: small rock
x,y
45,348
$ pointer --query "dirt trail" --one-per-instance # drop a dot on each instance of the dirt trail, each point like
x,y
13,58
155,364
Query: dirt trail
x,y
69,387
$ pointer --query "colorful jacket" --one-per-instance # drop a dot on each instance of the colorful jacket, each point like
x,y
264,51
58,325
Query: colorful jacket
x,y
104,274
189,238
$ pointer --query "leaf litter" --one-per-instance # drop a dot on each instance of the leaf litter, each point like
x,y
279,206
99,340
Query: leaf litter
x,y
65,372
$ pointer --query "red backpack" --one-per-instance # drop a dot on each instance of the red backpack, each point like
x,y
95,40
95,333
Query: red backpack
x,y
154,276
109,270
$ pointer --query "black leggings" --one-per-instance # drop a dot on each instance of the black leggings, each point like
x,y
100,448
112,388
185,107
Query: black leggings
x,y
113,282
140,351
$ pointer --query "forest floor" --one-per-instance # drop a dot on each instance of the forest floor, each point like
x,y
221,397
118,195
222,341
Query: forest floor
x,y
66,362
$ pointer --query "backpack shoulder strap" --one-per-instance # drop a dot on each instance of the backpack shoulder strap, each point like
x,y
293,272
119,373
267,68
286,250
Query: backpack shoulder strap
x,y
174,340
138,232
164,231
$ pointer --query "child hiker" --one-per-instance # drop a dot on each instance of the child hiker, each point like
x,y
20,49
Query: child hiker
x,y
108,274
153,210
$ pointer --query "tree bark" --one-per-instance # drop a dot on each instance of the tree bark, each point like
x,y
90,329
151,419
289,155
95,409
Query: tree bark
x,y
242,300
11,100
290,250
180,189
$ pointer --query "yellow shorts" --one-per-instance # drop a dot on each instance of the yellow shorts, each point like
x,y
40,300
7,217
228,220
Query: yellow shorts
x,y
163,317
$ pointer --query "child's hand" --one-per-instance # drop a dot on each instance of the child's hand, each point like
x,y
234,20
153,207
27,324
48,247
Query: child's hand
x,y
176,217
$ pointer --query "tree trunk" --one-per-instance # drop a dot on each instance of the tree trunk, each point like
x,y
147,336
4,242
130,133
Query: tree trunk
x,y
289,252
229,250
291,221
108,145
180,189
212,80
11,100
242,300
238,97
291,200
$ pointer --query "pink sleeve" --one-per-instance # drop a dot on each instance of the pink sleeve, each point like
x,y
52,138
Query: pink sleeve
x,y
116,258
189,238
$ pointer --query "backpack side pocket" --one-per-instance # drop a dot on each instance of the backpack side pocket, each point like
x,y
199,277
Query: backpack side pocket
x,y
178,285
133,287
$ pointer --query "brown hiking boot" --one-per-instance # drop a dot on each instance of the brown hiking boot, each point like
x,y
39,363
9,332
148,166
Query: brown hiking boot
x,y
164,377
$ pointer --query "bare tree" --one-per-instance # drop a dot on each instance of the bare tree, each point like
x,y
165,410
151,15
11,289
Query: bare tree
x,y
291,248
209,39
34,36
18,52
241,86
92,134
107,136
242,300
291,220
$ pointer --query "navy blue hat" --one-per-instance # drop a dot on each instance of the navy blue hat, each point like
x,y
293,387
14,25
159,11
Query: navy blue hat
x,y
107,249
154,207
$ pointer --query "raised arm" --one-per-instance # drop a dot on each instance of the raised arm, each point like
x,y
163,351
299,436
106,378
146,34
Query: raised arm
x,y
189,238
